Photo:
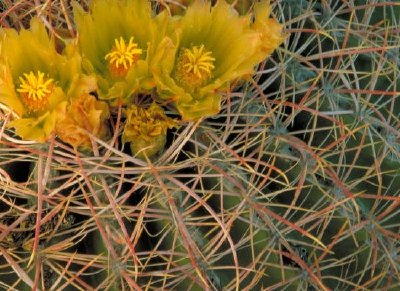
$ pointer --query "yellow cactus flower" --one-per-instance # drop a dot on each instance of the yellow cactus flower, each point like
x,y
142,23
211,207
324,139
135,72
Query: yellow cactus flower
x,y
118,40
84,115
146,129
213,47
36,81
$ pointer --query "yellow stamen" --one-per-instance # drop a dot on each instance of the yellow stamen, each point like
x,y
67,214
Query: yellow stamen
x,y
123,56
35,90
194,66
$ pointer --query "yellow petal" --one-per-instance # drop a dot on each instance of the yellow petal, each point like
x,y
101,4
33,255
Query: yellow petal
x,y
38,128
198,108
83,115
8,95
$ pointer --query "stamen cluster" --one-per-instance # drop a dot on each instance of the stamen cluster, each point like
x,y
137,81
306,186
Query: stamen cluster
x,y
194,66
122,56
35,90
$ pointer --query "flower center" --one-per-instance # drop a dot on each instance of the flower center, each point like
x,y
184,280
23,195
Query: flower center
x,y
35,91
194,66
122,56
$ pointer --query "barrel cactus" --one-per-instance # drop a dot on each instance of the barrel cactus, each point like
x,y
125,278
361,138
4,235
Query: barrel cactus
x,y
200,145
